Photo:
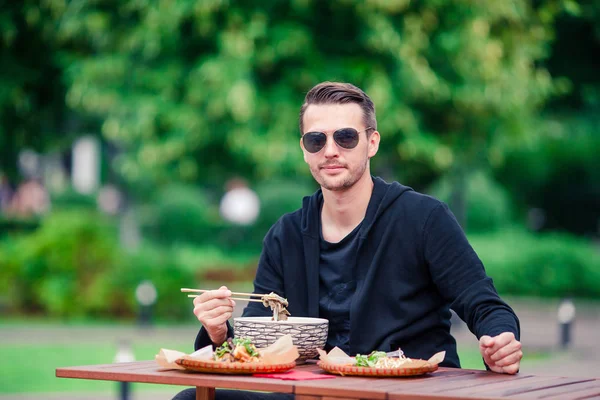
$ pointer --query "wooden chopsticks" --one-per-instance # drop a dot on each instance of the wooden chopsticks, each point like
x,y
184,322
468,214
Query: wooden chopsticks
x,y
247,295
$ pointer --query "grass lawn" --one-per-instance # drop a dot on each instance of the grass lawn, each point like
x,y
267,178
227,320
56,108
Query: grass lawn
x,y
38,364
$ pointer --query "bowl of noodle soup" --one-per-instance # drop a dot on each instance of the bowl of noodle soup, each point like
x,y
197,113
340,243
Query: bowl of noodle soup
x,y
308,334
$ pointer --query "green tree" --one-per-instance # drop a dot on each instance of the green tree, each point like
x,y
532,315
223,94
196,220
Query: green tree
x,y
193,90
32,109
560,173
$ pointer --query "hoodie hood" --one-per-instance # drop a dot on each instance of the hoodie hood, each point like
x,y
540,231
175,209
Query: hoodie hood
x,y
383,196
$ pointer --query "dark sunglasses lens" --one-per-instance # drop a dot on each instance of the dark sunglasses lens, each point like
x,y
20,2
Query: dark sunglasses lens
x,y
346,138
314,141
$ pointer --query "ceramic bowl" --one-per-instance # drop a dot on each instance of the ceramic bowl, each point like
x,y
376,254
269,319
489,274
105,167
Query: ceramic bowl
x,y
308,334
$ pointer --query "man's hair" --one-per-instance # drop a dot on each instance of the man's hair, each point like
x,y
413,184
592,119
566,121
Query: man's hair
x,y
340,93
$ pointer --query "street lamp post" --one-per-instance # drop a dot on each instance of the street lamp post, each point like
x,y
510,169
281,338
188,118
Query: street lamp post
x,y
566,316
146,296
124,354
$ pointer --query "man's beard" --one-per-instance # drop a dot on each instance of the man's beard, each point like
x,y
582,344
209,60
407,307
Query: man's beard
x,y
349,181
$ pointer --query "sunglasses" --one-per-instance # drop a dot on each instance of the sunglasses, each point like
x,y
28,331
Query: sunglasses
x,y
346,138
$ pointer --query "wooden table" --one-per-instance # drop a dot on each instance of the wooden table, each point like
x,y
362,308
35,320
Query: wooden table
x,y
446,383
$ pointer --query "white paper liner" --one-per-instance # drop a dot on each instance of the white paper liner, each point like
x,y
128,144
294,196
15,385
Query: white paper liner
x,y
166,358
338,356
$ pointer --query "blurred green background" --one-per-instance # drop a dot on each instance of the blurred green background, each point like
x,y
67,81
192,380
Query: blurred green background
x,y
124,123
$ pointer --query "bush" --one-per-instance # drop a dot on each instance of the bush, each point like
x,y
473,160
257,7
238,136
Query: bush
x,y
488,203
11,226
59,268
276,198
560,175
160,267
199,260
73,266
180,213
547,265
184,215
70,198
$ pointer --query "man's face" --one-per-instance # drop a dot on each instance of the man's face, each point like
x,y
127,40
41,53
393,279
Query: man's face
x,y
334,167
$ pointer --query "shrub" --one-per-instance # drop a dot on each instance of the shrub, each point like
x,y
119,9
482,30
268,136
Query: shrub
x,y
160,267
183,214
11,226
73,266
57,269
200,260
70,198
276,198
548,265
488,203
180,213
560,175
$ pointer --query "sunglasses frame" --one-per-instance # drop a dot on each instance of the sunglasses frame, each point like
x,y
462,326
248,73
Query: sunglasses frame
x,y
333,135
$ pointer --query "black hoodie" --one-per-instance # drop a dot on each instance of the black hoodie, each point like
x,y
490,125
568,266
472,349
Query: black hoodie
x,y
414,263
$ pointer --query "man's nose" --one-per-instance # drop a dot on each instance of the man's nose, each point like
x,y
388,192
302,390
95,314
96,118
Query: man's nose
x,y
331,148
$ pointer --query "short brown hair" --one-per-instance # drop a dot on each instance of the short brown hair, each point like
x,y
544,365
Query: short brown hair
x,y
340,93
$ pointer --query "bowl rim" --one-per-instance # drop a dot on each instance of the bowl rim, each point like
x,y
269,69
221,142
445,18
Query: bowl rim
x,y
289,321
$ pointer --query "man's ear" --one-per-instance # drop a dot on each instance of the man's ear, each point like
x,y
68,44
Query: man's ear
x,y
303,150
373,144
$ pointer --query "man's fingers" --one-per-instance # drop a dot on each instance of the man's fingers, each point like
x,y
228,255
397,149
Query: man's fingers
x,y
499,342
504,338
487,360
212,308
217,321
222,293
216,312
486,341
510,348
502,353
212,303
511,369
510,359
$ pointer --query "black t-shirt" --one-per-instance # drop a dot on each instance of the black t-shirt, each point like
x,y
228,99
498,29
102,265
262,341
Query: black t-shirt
x,y
337,286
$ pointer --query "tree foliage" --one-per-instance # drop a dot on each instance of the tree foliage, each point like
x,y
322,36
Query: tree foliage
x,y
202,90
32,111
194,90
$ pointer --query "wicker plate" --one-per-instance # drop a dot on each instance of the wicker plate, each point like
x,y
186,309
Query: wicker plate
x,y
417,367
216,367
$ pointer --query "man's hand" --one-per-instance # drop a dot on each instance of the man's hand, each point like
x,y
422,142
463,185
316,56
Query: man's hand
x,y
213,309
501,353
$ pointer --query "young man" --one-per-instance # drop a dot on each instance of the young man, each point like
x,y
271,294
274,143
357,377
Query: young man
x,y
383,263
